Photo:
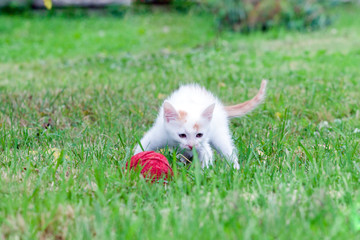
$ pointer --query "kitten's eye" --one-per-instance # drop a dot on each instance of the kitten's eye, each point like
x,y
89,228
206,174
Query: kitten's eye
x,y
199,135
182,135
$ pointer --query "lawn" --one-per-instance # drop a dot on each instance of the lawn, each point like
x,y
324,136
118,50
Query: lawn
x,y
77,93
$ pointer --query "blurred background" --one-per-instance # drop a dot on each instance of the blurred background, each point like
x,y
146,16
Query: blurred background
x,y
208,19
236,15
54,30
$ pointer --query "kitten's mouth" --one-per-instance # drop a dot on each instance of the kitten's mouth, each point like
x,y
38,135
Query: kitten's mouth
x,y
187,147
187,150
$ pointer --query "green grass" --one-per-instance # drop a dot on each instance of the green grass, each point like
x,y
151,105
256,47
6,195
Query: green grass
x,y
101,81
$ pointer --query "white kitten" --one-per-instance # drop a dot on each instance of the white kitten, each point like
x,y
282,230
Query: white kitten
x,y
191,118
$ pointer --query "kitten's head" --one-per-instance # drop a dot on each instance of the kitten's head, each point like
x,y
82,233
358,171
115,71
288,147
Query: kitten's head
x,y
188,130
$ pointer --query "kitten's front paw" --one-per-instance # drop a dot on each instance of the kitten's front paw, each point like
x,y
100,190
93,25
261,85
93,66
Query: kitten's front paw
x,y
236,166
206,161
205,164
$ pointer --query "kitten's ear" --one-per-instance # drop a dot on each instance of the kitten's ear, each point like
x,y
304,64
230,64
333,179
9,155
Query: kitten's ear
x,y
170,113
208,112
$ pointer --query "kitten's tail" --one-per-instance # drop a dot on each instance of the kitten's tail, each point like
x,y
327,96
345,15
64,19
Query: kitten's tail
x,y
241,109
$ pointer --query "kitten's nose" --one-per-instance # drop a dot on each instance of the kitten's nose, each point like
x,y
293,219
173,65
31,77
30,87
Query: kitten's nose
x,y
189,146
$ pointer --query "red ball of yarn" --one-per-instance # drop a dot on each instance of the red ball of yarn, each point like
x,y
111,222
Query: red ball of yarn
x,y
155,165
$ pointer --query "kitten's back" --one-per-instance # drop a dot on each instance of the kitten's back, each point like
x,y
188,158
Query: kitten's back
x,y
192,96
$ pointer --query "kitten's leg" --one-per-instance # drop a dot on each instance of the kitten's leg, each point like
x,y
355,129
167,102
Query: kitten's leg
x,y
223,143
154,139
205,155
